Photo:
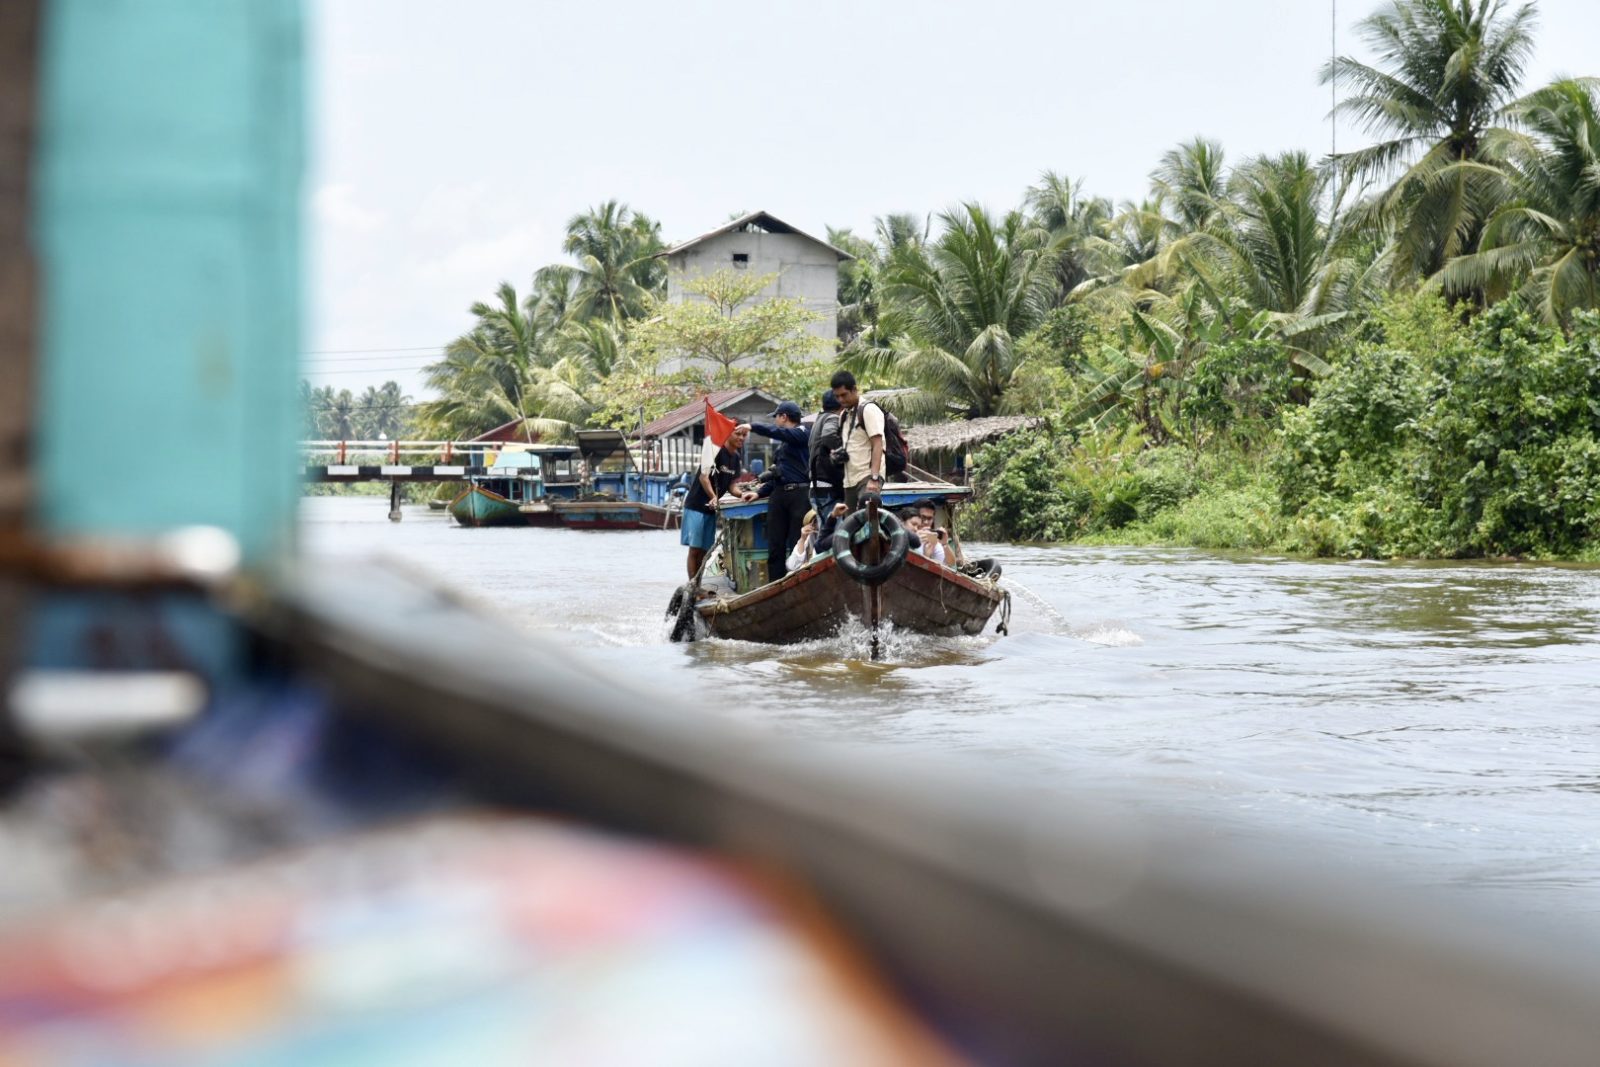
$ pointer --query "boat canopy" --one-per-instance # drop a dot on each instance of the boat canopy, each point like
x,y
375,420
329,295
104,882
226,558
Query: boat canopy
x,y
895,495
509,463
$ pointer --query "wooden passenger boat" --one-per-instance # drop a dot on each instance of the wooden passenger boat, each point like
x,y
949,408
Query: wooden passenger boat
x,y
477,506
508,496
922,596
918,595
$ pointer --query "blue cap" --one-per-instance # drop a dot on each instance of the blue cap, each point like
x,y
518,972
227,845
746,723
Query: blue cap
x,y
789,408
829,401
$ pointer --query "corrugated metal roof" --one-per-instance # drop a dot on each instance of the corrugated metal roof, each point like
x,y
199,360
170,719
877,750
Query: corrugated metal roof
x,y
762,220
695,411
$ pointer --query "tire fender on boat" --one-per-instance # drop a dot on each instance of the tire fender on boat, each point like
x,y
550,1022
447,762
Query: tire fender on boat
x,y
893,558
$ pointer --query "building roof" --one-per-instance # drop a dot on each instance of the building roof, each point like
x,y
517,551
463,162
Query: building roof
x,y
955,436
694,411
508,431
759,221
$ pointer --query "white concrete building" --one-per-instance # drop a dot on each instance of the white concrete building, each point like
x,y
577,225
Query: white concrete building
x,y
806,268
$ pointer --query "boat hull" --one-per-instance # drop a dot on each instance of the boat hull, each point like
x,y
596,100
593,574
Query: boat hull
x,y
476,506
610,515
540,513
815,601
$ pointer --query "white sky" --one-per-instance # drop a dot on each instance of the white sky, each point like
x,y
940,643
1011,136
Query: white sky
x,y
453,141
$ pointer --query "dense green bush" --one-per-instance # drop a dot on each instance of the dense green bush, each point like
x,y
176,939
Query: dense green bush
x,y
1429,437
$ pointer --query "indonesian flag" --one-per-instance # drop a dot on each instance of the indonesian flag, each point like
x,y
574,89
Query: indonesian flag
x,y
718,429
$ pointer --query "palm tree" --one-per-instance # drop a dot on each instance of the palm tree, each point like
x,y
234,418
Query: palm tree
x,y
1076,224
615,249
964,301
1191,181
342,416
1445,73
861,279
485,376
1546,236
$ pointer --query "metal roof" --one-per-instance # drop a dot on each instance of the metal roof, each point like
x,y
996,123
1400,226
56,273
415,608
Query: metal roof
x,y
758,220
694,411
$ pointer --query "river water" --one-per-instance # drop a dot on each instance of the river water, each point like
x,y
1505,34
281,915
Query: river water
x,y
1435,722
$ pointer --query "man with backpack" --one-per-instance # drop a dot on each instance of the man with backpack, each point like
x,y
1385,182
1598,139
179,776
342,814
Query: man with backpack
x,y
873,445
827,476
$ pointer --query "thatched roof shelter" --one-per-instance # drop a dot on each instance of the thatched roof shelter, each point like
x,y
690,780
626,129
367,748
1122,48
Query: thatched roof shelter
x,y
962,436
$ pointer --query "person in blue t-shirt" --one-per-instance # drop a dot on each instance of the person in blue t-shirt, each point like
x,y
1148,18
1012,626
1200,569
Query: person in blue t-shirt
x,y
788,493
705,495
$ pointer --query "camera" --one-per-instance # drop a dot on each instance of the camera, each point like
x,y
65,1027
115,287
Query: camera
x,y
839,456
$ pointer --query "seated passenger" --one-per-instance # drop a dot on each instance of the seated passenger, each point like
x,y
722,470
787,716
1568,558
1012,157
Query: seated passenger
x,y
806,546
925,539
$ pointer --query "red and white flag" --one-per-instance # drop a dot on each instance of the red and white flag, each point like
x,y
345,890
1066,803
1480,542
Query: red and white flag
x,y
718,429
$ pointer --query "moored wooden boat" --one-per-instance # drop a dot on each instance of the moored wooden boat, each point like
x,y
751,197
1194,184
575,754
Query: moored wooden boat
x,y
438,504
477,506
610,514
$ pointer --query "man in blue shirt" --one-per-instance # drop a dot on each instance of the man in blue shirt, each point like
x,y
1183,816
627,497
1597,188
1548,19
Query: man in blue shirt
x,y
789,492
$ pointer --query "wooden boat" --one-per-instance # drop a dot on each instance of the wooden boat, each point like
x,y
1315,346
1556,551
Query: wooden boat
x,y
918,595
477,506
617,495
608,514
507,496
438,504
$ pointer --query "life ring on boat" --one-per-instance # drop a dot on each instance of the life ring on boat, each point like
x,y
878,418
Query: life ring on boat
x,y
893,558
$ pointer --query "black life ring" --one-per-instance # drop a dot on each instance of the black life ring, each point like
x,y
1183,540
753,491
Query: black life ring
x,y
880,572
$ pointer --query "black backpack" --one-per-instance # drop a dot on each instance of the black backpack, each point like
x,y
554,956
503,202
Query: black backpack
x,y
895,450
825,437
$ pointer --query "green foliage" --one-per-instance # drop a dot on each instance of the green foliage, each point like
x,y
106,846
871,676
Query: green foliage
x,y
1237,390
725,327
1065,338
1059,488
630,392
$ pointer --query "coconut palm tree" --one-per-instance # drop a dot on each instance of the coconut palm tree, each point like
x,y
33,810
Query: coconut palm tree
x,y
861,280
1192,181
963,301
1445,72
1545,237
1076,224
615,250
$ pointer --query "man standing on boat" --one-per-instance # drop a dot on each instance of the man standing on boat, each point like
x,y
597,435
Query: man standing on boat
x,y
827,476
788,493
863,440
705,496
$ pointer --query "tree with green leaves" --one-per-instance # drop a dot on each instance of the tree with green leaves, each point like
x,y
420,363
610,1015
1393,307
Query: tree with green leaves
x,y
617,270
1445,74
963,303
722,325
1544,238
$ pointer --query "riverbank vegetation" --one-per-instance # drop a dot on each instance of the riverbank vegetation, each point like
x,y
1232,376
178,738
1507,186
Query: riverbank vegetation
x,y
1389,352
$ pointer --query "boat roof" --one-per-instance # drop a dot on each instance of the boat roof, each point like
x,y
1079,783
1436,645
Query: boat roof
x,y
601,444
895,495
515,461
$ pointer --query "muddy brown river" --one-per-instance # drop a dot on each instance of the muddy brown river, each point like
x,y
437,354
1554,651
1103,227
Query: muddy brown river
x,y
1435,722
